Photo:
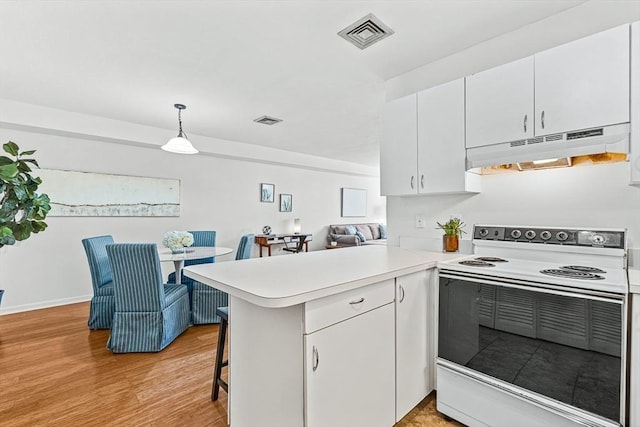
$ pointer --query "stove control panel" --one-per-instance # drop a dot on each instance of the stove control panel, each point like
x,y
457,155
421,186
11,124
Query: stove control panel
x,y
552,236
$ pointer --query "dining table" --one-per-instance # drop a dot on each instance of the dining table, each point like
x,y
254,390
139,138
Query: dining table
x,y
198,252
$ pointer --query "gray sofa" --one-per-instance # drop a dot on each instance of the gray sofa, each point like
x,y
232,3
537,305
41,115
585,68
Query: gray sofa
x,y
371,232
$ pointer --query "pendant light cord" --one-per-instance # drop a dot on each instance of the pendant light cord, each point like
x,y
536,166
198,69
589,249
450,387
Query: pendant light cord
x,y
181,133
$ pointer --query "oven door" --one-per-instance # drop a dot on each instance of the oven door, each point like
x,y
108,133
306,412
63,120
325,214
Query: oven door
x,y
561,346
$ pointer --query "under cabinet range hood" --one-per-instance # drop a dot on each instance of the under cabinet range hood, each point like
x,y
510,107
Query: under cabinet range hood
x,y
607,139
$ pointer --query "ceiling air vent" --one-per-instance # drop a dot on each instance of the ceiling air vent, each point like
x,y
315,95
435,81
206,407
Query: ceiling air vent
x,y
266,120
366,31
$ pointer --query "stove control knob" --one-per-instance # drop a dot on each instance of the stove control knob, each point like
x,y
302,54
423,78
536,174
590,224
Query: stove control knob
x,y
598,239
516,234
484,232
562,236
530,234
545,235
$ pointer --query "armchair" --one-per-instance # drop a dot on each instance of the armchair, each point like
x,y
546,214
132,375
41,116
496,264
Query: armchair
x,y
203,299
149,315
103,303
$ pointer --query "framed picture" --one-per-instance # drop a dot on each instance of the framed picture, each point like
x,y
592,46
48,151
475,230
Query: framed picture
x,y
286,202
354,202
267,192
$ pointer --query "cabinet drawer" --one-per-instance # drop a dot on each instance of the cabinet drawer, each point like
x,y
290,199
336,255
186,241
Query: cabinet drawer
x,y
326,311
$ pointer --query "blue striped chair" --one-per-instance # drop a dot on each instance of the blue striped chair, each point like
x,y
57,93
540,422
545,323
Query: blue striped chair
x,y
245,246
103,303
204,299
149,314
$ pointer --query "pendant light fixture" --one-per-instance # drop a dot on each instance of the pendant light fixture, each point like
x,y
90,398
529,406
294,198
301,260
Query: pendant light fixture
x,y
180,144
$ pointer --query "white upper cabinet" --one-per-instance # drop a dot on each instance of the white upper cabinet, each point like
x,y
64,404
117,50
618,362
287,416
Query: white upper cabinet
x,y
634,157
575,86
583,84
441,148
422,149
500,104
398,147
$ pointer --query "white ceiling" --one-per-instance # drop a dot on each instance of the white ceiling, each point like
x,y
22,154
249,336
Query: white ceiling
x,y
233,61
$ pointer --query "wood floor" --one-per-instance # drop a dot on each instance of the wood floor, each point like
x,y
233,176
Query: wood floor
x,y
55,371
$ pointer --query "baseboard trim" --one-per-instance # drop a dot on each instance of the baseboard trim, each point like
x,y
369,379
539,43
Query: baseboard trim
x,y
43,304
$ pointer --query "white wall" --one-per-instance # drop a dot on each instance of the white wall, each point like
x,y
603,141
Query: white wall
x,y
584,196
217,193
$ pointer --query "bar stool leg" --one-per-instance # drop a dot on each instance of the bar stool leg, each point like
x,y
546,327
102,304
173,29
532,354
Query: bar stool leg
x,y
220,363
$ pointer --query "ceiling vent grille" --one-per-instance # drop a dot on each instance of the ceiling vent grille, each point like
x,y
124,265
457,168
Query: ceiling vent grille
x,y
366,31
266,120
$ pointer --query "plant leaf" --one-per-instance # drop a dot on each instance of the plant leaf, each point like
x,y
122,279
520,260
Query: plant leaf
x,y
8,171
11,148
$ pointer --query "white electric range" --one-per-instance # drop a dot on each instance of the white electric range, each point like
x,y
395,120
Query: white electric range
x,y
532,328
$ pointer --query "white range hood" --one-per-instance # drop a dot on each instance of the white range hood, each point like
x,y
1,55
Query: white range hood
x,y
607,139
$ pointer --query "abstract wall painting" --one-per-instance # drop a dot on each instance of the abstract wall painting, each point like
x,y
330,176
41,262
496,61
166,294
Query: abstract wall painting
x,y
74,193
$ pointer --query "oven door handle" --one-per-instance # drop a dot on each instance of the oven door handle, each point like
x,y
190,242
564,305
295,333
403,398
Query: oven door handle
x,y
529,286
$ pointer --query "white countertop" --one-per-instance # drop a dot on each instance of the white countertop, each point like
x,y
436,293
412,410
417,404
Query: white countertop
x,y
634,280
287,280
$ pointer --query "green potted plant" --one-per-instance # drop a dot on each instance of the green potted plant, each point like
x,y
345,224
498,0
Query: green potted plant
x,y
452,232
22,209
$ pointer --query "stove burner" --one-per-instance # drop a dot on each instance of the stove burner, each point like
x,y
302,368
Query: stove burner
x,y
571,274
582,268
476,263
491,259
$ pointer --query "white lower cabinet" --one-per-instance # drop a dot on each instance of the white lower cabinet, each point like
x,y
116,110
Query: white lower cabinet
x,y
349,372
360,358
414,341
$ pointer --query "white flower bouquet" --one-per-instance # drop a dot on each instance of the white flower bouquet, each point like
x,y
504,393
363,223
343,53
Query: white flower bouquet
x,y
177,240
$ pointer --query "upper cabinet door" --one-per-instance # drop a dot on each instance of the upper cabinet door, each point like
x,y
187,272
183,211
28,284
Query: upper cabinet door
x,y
441,153
398,147
500,104
583,84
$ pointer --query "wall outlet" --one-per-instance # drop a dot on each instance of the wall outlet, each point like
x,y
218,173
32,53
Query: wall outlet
x,y
419,221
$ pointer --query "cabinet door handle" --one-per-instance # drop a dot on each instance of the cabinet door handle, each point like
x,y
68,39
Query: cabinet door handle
x,y
412,181
525,123
422,181
360,301
542,119
316,358
401,293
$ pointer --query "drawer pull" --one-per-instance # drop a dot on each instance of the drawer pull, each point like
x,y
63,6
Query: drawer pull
x,y
360,301
316,358
401,293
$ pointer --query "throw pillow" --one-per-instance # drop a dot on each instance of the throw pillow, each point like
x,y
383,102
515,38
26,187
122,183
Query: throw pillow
x,y
361,236
350,230
365,230
383,231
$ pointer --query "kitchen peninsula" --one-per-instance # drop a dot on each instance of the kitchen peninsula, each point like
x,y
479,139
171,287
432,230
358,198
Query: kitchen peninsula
x,y
318,338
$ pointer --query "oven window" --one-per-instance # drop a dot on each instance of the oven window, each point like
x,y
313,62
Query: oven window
x,y
565,348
